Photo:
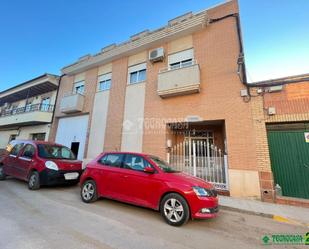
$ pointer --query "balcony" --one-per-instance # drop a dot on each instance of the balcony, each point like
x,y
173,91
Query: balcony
x,y
27,115
179,81
71,103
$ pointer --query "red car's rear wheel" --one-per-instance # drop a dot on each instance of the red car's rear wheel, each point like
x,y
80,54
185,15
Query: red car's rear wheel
x,y
89,191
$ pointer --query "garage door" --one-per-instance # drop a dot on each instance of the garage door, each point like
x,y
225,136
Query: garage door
x,y
72,133
289,153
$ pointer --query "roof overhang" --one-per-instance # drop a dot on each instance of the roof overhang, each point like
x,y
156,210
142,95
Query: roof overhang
x,y
40,85
22,124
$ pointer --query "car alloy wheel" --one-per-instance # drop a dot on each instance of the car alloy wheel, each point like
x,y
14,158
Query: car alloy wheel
x,y
173,210
89,191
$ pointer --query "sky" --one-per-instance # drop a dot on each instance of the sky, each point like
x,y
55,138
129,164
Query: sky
x,y
43,36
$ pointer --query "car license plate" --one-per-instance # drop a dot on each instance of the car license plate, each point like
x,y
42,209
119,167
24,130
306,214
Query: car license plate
x,y
71,176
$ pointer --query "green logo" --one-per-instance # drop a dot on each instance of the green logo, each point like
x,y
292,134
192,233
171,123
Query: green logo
x,y
286,239
307,239
265,239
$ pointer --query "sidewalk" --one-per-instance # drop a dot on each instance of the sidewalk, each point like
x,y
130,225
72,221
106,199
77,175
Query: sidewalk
x,y
282,213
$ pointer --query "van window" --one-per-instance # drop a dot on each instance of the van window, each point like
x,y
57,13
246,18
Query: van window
x,y
28,151
55,152
16,149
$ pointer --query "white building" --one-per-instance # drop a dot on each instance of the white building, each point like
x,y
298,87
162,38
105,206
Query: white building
x,y
26,110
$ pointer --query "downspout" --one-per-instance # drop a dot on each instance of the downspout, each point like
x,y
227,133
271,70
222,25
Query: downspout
x,y
241,62
56,99
241,71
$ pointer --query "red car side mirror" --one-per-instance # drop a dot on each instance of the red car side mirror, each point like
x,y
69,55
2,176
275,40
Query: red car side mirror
x,y
149,170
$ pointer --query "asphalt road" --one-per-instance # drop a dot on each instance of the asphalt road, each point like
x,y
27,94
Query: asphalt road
x,y
57,218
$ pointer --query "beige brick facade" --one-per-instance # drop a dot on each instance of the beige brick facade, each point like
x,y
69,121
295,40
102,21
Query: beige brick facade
x,y
242,124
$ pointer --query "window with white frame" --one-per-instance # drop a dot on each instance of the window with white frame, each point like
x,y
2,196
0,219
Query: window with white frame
x,y
105,81
181,59
79,87
137,73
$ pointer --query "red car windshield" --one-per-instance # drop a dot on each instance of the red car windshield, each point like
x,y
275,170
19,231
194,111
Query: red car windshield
x,y
163,165
55,152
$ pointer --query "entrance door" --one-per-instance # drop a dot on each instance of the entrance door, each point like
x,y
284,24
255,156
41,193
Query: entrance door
x,y
75,148
71,132
289,154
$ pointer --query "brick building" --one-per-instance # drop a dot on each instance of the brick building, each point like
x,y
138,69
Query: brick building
x,y
173,92
280,113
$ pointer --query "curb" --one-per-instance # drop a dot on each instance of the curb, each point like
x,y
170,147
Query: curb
x,y
239,210
277,218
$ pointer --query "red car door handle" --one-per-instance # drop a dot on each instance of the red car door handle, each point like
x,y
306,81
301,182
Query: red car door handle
x,y
125,176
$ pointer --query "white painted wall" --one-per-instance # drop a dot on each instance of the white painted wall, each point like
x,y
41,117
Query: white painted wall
x,y
24,132
132,131
5,136
73,129
27,131
98,124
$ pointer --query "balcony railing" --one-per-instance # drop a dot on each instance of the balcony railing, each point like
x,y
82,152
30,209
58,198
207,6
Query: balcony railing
x,y
28,108
179,81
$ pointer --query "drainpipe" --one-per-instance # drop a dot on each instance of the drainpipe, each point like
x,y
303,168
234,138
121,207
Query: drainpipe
x,y
241,62
56,99
241,71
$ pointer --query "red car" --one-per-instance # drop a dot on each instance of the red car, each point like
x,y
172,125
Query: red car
x,y
40,163
146,180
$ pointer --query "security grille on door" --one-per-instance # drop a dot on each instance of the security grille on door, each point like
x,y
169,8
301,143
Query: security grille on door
x,y
202,159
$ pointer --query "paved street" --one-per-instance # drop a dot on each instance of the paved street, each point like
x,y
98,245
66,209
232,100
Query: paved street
x,y
56,218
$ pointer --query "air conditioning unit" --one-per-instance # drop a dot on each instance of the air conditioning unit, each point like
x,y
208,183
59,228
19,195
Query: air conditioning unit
x,y
156,55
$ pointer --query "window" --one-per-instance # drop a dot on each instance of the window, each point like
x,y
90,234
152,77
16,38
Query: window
x,y
135,162
105,81
181,59
138,76
181,64
29,151
114,160
79,87
28,106
137,73
45,104
38,136
16,149
14,108
55,152
12,137
163,165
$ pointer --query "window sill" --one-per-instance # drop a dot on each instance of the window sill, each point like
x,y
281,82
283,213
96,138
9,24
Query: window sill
x,y
98,91
136,83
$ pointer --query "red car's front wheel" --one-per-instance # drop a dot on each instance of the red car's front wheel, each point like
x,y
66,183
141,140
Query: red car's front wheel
x,y
174,209
34,181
